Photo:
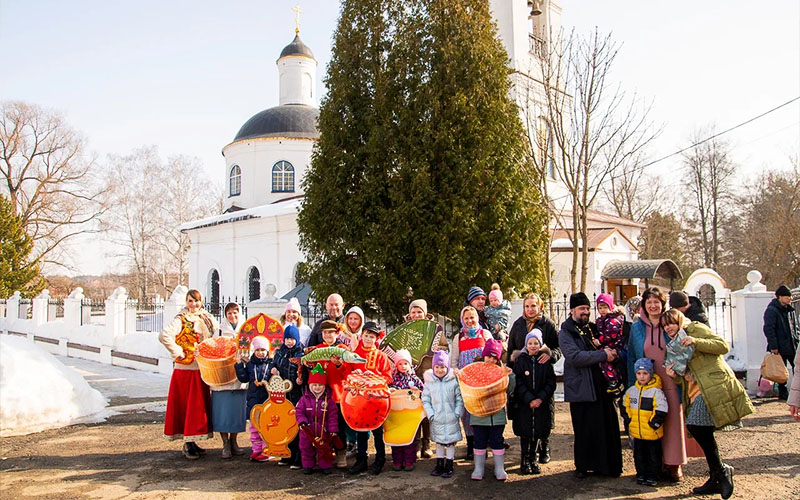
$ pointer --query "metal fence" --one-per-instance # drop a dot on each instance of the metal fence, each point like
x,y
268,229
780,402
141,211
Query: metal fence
x,y
148,315
93,312
217,309
55,309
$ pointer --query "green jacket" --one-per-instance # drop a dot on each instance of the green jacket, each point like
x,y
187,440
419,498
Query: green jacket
x,y
725,398
498,418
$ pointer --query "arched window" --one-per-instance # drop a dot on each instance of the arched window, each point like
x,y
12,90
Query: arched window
x,y
283,177
253,284
212,299
235,181
546,148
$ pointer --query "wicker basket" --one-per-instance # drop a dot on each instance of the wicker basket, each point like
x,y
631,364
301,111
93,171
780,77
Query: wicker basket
x,y
217,371
486,400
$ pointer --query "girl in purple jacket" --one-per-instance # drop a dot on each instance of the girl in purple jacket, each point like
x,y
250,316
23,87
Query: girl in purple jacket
x,y
318,419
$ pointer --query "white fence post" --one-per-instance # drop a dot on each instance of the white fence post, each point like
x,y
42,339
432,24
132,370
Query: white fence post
x,y
750,343
115,322
72,308
174,304
40,304
12,311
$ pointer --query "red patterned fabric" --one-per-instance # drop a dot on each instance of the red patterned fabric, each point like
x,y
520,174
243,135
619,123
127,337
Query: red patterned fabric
x,y
188,407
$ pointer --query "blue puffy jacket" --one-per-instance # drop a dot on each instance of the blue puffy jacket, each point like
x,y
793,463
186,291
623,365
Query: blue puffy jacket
x,y
444,406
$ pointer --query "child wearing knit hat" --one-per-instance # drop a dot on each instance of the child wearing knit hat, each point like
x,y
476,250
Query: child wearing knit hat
x,y
403,377
256,373
281,365
488,430
443,405
318,418
647,408
534,407
610,322
498,314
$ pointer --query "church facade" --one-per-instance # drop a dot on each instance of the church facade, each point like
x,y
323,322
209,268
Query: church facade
x,y
251,250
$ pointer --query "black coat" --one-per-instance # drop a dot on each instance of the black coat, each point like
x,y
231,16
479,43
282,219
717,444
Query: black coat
x,y
534,381
315,337
288,370
779,320
255,369
519,330
696,311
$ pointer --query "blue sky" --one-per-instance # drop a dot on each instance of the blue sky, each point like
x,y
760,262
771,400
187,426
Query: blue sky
x,y
185,75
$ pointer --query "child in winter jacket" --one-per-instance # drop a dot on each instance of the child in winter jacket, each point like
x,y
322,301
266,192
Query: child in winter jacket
x,y
488,430
609,334
647,408
443,405
533,397
256,372
498,314
318,418
281,365
404,457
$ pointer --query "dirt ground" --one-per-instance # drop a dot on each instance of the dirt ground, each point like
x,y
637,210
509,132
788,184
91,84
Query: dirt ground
x,y
126,457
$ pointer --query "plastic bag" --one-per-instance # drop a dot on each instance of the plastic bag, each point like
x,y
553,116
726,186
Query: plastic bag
x,y
677,355
774,368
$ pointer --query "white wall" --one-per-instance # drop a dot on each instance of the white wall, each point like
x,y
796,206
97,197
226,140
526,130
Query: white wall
x,y
297,75
256,158
270,244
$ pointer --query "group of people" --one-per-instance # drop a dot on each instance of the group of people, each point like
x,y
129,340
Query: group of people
x,y
620,360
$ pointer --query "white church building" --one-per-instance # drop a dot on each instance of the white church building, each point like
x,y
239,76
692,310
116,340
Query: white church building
x,y
251,250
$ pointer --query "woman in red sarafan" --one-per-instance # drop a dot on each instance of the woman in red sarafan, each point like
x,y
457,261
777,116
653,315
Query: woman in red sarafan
x,y
189,400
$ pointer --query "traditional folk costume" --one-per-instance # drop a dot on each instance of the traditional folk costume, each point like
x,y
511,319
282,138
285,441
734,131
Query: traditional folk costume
x,y
189,401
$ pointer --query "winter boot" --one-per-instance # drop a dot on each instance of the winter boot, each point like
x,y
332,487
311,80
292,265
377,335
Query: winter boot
x,y
709,487
360,465
525,458
499,468
470,452
726,481
226,449
439,469
480,462
235,450
377,466
533,466
544,451
200,451
424,448
448,469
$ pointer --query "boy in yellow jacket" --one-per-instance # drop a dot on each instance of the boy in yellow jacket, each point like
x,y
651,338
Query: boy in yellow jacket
x,y
647,408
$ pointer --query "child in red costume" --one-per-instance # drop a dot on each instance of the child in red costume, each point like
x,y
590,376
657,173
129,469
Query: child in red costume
x,y
378,363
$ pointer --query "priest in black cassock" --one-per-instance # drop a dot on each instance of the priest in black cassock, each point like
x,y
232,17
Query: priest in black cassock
x,y
598,448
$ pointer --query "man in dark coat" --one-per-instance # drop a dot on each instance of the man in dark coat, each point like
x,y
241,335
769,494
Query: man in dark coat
x,y
780,328
691,307
595,424
335,307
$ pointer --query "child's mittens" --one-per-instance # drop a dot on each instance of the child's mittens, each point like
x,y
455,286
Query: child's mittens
x,y
654,425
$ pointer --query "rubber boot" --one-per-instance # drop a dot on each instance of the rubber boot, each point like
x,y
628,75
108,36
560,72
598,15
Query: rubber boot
x,y
726,481
544,451
226,449
470,452
480,462
533,466
439,469
360,465
499,467
524,461
448,469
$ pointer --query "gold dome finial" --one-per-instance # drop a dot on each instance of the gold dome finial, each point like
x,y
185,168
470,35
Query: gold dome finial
x,y
297,10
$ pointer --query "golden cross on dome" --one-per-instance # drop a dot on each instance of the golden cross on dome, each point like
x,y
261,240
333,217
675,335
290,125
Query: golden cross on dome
x,y
297,11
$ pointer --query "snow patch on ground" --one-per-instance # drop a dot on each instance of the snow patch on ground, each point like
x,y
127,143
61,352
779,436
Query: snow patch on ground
x,y
38,392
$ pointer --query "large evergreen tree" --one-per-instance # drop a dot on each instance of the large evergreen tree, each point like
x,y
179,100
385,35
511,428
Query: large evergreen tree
x,y
416,181
17,271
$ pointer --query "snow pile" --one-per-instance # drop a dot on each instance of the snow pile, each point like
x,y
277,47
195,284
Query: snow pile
x,y
38,392
141,343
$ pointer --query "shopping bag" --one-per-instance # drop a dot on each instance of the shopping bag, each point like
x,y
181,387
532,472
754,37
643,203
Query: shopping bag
x,y
774,368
